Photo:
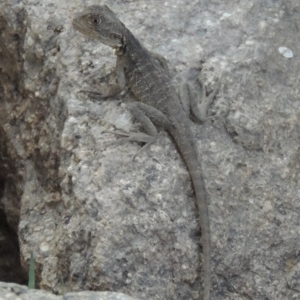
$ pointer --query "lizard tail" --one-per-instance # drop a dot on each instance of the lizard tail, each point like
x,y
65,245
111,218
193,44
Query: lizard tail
x,y
186,145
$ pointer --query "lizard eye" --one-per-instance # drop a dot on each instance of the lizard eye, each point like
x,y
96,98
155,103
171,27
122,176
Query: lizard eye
x,y
95,20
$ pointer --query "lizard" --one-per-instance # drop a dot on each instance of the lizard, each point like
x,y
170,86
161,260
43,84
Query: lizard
x,y
158,104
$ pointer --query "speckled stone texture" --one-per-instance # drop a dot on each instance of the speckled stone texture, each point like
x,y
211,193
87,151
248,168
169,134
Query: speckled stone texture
x,y
97,220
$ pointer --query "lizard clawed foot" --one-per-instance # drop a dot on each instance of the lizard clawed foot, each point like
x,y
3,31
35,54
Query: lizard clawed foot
x,y
132,137
198,103
201,104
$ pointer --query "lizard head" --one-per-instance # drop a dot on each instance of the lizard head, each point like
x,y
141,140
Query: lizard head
x,y
101,23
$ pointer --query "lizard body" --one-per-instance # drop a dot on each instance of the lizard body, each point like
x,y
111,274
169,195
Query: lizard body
x,y
158,104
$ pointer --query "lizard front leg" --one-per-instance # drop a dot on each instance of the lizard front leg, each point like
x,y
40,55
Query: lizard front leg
x,y
116,89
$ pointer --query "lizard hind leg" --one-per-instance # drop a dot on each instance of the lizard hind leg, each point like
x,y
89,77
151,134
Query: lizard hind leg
x,y
145,115
185,96
197,103
148,117
132,137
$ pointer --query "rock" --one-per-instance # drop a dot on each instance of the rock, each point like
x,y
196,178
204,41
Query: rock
x,y
20,292
97,220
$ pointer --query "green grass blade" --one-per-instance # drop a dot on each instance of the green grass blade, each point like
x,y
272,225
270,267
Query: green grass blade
x,y
31,281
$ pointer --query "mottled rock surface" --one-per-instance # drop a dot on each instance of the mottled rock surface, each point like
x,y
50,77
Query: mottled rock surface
x,y
20,292
97,220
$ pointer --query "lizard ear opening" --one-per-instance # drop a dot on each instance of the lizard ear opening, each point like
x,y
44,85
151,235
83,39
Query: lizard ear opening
x,y
115,36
